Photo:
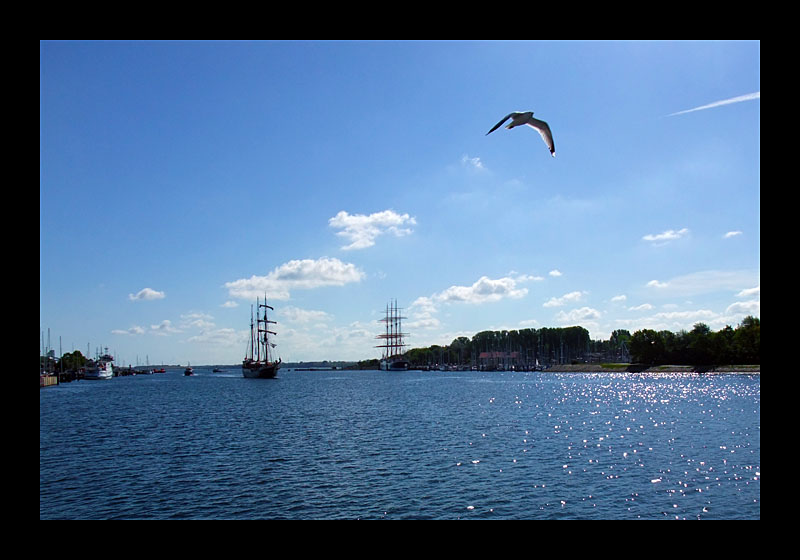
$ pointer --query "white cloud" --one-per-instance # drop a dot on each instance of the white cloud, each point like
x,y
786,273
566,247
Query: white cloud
x,y
421,313
472,163
297,315
425,305
135,330
752,307
164,328
577,315
353,341
225,338
666,236
424,323
747,292
686,316
196,321
674,320
484,290
362,230
621,297
706,281
230,304
528,278
643,307
146,294
306,274
555,273
732,234
684,319
739,99
565,299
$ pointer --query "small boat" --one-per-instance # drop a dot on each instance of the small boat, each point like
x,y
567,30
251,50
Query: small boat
x,y
258,362
217,370
100,368
188,371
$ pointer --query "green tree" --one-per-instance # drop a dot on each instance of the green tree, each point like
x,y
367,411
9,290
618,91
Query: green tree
x,y
619,341
647,347
72,361
700,346
722,346
747,341
699,349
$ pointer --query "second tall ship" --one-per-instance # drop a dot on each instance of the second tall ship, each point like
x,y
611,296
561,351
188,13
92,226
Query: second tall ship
x,y
259,363
393,359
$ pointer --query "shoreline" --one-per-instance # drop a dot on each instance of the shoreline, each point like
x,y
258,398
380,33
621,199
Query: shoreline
x,y
642,368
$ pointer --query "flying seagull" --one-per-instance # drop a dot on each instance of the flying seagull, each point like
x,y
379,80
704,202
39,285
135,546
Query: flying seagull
x,y
518,119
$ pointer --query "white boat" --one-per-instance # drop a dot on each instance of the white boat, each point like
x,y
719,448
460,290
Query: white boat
x,y
393,344
259,363
100,368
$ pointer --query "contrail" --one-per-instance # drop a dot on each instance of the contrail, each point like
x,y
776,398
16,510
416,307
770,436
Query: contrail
x,y
748,97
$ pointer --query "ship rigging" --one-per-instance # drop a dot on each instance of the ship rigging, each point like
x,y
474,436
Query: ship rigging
x,y
392,340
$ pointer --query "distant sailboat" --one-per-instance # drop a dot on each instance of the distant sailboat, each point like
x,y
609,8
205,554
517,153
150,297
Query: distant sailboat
x,y
259,363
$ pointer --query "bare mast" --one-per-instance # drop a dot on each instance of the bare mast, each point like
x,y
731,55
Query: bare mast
x,y
251,356
393,338
264,340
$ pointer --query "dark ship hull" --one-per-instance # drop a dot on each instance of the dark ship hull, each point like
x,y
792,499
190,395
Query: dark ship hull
x,y
258,362
260,370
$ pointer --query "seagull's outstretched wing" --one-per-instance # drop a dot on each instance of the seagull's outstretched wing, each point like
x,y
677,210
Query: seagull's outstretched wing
x,y
544,130
495,127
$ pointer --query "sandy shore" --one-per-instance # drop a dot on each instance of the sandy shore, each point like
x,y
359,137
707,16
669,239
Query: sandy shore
x,y
641,368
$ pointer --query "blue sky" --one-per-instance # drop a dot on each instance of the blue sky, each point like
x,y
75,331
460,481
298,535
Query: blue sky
x,y
179,180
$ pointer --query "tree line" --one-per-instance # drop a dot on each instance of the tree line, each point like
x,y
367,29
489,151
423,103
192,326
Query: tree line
x,y
700,346
68,362
505,348
548,346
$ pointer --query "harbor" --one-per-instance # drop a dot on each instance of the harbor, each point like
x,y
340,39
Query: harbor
x,y
564,350
449,318
52,378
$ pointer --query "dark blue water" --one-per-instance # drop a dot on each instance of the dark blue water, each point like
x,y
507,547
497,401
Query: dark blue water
x,y
406,445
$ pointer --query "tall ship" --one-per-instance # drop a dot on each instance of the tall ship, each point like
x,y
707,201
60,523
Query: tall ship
x,y
101,367
392,340
259,362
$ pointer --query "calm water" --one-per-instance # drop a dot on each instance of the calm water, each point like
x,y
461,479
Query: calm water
x,y
410,445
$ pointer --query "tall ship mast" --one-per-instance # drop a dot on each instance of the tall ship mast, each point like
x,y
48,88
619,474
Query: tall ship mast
x,y
392,340
259,362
